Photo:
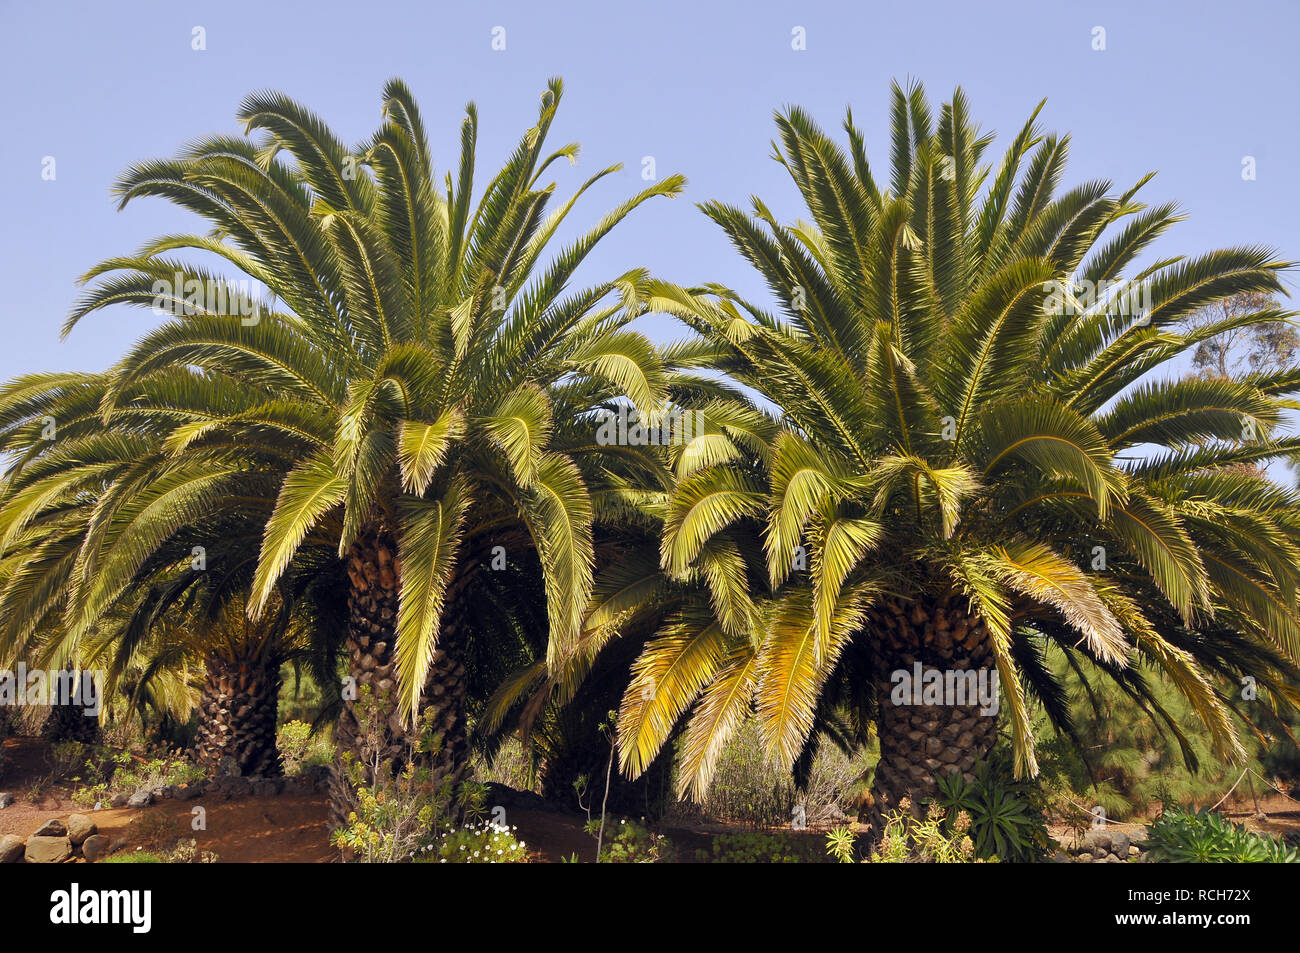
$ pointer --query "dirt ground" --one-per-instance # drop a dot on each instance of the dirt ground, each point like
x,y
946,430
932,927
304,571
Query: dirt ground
x,y
294,828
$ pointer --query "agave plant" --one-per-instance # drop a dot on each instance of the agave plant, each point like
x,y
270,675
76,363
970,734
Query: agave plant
x,y
409,368
977,456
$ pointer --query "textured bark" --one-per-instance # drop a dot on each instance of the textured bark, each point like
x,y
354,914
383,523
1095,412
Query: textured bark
x,y
237,715
919,742
374,581
69,722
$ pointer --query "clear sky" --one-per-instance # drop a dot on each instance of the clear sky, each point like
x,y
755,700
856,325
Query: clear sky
x,y
1186,88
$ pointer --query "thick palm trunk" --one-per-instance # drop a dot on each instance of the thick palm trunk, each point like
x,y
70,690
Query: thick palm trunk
x,y
237,715
921,741
373,733
68,720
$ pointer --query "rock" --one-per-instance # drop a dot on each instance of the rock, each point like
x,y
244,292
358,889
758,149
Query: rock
x,y
1119,844
1098,840
1112,859
1133,850
95,847
48,850
5,800
268,787
187,792
52,828
162,793
139,799
233,786
119,800
1084,858
1060,857
11,849
79,828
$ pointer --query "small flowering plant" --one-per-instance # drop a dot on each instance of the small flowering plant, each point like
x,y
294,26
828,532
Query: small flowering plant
x,y
479,842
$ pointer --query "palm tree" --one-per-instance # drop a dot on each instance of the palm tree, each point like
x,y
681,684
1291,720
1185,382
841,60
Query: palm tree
x,y
419,378
976,458
94,533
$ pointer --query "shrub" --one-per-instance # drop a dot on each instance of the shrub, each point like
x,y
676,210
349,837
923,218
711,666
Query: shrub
x,y
160,772
478,842
628,842
936,838
762,848
402,818
748,790
300,749
1005,821
1203,837
187,852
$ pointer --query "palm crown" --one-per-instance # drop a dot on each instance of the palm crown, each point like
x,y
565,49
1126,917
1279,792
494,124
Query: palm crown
x,y
974,453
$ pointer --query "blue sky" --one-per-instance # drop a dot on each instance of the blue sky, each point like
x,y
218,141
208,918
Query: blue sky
x,y
1185,88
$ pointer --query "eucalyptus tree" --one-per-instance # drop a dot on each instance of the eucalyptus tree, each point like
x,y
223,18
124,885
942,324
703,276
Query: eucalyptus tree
x,y
977,457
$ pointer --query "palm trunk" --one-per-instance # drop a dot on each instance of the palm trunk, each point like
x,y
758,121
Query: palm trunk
x,y
68,720
921,741
237,715
377,737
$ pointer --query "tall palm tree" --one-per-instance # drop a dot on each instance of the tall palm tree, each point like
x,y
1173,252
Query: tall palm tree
x,y
976,456
420,375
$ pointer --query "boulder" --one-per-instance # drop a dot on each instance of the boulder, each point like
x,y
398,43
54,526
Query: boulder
x,y
186,792
5,800
79,828
95,847
1112,859
48,850
119,800
11,849
1119,844
139,799
52,828
1084,858
1098,840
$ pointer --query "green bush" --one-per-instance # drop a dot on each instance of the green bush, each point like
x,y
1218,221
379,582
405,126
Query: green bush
x,y
478,842
1203,837
763,848
939,837
628,842
1006,822
300,750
